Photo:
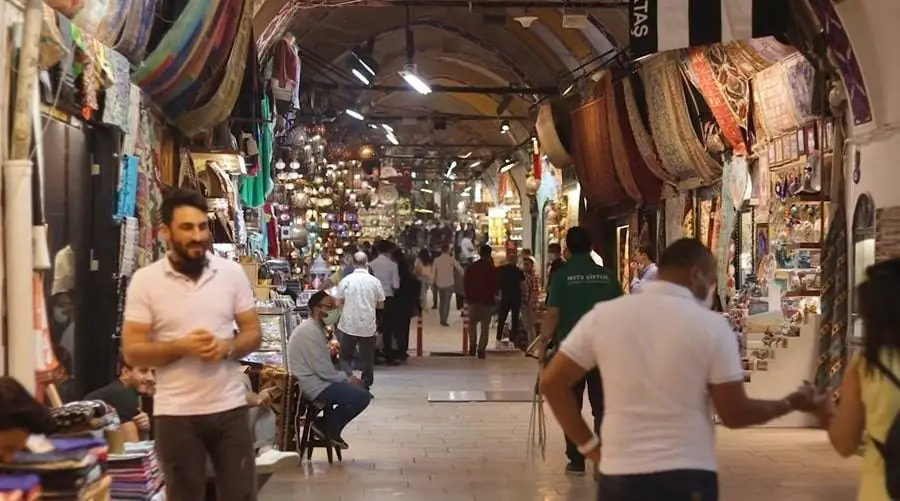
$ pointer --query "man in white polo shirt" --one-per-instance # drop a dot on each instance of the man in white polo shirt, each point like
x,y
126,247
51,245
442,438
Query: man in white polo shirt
x,y
660,372
179,319
361,295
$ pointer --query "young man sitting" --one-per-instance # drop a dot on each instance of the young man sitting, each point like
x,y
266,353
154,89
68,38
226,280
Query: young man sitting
x,y
124,395
262,420
309,360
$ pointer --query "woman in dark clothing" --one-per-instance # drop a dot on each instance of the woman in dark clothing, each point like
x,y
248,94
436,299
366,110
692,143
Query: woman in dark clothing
x,y
408,304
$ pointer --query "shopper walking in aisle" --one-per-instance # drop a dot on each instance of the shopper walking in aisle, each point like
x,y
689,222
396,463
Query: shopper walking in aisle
x,y
643,269
467,247
424,269
179,317
870,392
482,283
385,270
309,360
511,281
407,299
577,286
554,255
445,269
658,441
361,295
530,291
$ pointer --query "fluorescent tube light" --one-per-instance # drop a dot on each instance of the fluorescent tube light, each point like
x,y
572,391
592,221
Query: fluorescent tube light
x,y
362,78
426,190
355,114
412,78
507,167
467,155
387,127
474,164
393,139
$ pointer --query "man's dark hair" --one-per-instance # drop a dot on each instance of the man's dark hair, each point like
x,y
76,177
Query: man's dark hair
x,y
445,248
684,254
181,198
486,252
385,247
578,240
316,299
18,409
645,250
554,248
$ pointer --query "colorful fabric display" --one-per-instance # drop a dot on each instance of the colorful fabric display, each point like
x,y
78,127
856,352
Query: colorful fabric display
x,y
127,194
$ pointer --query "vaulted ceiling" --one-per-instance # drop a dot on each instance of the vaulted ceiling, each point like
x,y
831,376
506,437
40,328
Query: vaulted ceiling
x,y
454,46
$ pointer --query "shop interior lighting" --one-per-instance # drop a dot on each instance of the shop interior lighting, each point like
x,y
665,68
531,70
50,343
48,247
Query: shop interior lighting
x,y
467,155
388,128
359,76
411,75
373,126
426,190
507,167
569,89
355,114
504,126
412,175
367,63
474,164
392,139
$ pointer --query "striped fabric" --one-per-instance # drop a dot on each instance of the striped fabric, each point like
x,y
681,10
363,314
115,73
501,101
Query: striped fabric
x,y
661,25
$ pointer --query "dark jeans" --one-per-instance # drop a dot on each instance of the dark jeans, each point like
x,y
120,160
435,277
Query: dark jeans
x,y
595,395
503,312
387,326
674,485
348,401
401,334
183,444
366,355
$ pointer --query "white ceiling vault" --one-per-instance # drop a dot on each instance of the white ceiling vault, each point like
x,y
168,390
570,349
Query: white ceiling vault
x,y
455,47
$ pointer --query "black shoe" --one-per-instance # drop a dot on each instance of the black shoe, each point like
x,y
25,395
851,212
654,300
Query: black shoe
x,y
481,355
575,469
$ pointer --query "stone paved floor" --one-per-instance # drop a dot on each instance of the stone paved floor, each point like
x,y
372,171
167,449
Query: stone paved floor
x,y
405,449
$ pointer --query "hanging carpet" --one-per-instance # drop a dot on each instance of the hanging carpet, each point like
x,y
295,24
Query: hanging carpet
x,y
135,34
680,150
800,76
782,102
618,153
725,90
629,162
642,138
548,135
593,157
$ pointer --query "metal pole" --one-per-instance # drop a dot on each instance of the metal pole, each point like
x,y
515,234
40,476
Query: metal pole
x,y
445,89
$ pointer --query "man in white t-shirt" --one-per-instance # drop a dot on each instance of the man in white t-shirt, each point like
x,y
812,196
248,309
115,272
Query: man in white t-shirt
x,y
660,372
179,318
467,252
361,295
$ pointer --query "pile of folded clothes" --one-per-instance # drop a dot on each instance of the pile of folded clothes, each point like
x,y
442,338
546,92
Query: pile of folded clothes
x,y
135,473
19,487
68,468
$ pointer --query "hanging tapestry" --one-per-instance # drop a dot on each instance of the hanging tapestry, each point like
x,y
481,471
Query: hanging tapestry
x,y
725,90
642,137
735,180
801,79
552,146
593,160
127,191
626,153
135,34
219,107
679,147
833,327
276,28
618,152
674,218
770,50
111,25
117,102
773,104
726,219
68,8
91,15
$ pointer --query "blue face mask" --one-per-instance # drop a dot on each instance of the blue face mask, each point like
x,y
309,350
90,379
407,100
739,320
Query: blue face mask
x,y
332,317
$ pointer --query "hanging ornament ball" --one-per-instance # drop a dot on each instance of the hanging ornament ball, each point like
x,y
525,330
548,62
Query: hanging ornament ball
x,y
299,235
300,200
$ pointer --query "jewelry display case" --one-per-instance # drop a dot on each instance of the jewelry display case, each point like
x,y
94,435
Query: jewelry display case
x,y
276,324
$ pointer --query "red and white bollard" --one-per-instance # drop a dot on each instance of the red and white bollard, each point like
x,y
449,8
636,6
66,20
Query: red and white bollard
x,y
419,347
465,322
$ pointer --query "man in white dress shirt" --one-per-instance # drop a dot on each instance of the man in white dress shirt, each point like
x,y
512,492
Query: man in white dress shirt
x,y
361,295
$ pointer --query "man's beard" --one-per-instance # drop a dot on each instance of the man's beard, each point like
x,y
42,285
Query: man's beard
x,y
186,264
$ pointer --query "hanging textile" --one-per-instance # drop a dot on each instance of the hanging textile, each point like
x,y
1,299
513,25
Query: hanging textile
x,y
593,157
642,137
68,8
773,104
276,28
725,90
219,107
547,134
91,15
679,147
800,76
117,102
135,34
255,189
735,176
675,218
833,326
127,193
113,21
626,151
624,170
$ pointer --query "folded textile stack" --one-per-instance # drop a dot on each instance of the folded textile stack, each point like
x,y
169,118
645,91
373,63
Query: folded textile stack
x,y
68,467
135,473
20,487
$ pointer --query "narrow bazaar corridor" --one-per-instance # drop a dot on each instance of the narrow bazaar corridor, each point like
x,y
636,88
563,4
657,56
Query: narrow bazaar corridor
x,y
405,448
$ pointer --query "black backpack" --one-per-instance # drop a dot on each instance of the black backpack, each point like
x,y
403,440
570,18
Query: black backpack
x,y
890,448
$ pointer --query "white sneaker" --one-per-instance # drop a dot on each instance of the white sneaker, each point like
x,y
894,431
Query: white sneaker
x,y
498,344
505,342
276,460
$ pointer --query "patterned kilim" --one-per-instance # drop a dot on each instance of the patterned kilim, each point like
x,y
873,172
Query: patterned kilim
x,y
133,40
833,328
641,136
625,148
773,102
619,153
679,147
725,90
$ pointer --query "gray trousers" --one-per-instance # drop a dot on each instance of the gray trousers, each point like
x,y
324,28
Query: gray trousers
x,y
479,314
183,444
263,423
444,295
366,345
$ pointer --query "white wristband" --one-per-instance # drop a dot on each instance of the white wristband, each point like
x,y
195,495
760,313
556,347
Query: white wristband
x,y
589,446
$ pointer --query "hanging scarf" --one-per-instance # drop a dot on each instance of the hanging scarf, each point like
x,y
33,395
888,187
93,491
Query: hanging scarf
x,y
136,33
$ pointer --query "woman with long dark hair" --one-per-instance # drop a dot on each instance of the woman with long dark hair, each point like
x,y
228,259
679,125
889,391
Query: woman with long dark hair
x,y
407,299
424,270
870,392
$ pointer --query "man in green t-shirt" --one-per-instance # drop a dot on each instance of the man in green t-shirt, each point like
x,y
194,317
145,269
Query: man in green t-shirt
x,y
574,290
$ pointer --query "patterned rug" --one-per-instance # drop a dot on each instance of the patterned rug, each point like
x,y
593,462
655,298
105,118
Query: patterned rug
x,y
800,76
641,135
725,90
678,145
618,151
626,153
774,111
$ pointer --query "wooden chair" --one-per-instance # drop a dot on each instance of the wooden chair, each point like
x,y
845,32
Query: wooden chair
x,y
312,411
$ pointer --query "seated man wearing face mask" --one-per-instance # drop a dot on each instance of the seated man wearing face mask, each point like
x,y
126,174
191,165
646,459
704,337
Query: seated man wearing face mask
x,y
309,360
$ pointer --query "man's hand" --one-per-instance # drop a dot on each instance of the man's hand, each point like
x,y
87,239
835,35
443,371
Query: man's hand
x,y
542,350
142,421
263,398
808,398
355,381
218,350
196,343
594,455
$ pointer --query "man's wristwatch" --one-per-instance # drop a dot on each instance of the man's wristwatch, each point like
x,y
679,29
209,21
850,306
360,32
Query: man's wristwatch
x,y
589,446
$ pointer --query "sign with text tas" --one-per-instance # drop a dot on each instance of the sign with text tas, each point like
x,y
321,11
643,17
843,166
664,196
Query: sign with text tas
x,y
661,25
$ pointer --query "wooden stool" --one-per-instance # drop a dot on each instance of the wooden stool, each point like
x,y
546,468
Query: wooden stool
x,y
316,410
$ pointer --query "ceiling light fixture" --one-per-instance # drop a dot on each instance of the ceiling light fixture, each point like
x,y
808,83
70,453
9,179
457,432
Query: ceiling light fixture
x,y
387,127
569,89
355,114
526,21
507,167
426,190
474,164
393,139
467,155
373,126
411,75
504,126
362,78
